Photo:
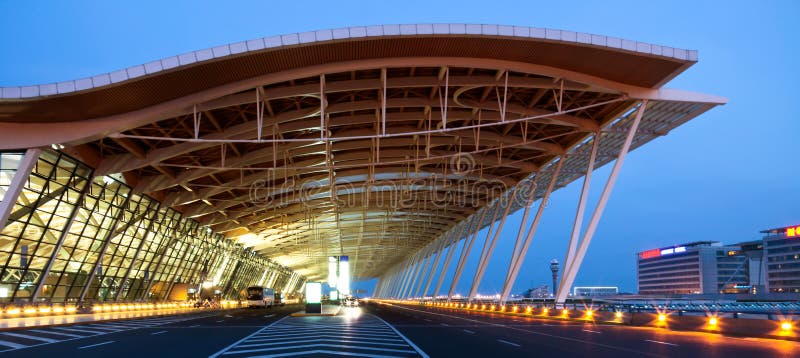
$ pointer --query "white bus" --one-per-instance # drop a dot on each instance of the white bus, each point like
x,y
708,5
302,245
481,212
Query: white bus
x,y
258,296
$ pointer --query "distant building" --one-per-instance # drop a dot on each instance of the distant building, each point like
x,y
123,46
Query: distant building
x,y
754,250
595,290
542,291
693,268
782,253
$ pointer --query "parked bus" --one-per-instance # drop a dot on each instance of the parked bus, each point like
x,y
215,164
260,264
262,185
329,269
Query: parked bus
x,y
258,296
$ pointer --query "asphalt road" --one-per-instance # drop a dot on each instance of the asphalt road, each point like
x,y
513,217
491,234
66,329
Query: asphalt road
x,y
197,335
372,330
442,332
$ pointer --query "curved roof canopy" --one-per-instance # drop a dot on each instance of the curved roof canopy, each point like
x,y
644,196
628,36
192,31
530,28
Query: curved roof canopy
x,y
364,141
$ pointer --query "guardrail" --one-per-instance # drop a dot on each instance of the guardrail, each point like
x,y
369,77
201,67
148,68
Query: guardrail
x,y
779,326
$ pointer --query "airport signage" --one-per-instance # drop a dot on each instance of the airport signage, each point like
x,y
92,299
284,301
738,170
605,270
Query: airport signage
x,y
661,252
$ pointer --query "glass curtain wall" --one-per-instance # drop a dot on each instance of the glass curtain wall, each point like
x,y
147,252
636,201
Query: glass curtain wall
x,y
74,237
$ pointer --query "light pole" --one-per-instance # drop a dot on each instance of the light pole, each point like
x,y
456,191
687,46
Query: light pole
x,y
554,270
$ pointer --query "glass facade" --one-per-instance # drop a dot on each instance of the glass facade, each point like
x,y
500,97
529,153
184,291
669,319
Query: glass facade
x,y
783,262
74,237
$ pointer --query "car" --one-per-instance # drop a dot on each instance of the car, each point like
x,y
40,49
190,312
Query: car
x,y
350,302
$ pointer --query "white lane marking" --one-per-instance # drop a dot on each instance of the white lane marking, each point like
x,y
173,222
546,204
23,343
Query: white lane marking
x,y
509,343
108,329
306,333
78,330
344,336
56,333
333,329
660,342
115,326
320,340
591,331
12,344
269,315
468,331
340,346
95,345
410,343
445,324
35,338
428,320
159,332
220,321
245,338
197,325
129,325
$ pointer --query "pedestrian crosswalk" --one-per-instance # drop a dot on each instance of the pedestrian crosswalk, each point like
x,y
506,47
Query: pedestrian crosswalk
x,y
364,336
25,338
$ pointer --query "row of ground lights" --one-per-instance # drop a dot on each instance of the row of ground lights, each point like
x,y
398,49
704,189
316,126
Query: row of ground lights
x,y
48,310
786,327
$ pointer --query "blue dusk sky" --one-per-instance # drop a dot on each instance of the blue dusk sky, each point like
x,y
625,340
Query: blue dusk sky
x,y
723,176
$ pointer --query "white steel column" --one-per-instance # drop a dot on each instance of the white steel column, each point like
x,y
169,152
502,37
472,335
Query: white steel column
x,y
518,257
378,286
468,248
389,287
409,273
576,226
571,267
401,278
432,268
487,255
418,266
398,280
414,292
450,251
17,183
402,273
448,239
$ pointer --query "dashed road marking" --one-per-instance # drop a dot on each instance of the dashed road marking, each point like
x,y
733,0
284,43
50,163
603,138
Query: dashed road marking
x,y
591,331
509,343
660,342
95,345
159,332
468,331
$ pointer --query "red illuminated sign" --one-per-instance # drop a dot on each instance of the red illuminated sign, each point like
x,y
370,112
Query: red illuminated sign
x,y
650,253
793,231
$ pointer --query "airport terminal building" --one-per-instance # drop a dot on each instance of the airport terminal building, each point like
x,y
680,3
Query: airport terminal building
x,y
692,268
782,253
769,265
